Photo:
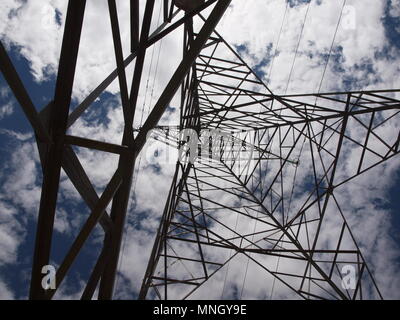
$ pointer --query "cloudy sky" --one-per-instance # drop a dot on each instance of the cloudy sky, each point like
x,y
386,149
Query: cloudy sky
x,y
295,46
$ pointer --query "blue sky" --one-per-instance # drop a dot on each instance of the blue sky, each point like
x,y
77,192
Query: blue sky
x,y
351,66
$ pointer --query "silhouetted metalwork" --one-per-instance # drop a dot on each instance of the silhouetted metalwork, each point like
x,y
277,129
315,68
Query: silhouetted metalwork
x,y
284,223
199,232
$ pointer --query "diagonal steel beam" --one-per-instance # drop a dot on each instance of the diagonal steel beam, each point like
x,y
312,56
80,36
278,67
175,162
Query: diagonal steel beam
x,y
96,145
22,96
120,59
87,228
86,103
74,170
180,73
81,182
134,6
82,107
58,126
126,165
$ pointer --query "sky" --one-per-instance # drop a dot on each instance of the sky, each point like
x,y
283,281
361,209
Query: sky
x,y
286,43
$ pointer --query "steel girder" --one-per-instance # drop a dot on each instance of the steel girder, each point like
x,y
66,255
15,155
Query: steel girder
x,y
292,232
55,145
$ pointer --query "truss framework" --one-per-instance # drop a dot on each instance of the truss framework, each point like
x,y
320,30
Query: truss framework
x,y
199,233
215,212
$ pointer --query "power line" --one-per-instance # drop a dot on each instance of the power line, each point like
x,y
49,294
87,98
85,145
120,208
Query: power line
x,y
298,45
135,177
287,86
333,42
277,42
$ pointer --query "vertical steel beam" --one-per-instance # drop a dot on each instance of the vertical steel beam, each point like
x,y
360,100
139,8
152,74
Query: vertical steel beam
x,y
181,71
87,228
172,87
94,278
126,165
141,54
134,25
120,202
166,10
50,128
119,60
58,125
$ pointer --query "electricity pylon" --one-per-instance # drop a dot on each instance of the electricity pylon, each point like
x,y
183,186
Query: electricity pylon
x,y
285,226
294,231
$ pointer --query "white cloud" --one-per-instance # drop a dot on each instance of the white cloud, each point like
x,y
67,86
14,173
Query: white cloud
x,y
5,292
8,107
17,135
21,186
6,110
19,194
395,8
359,45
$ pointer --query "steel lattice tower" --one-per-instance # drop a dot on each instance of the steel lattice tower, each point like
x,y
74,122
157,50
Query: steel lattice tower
x,y
219,206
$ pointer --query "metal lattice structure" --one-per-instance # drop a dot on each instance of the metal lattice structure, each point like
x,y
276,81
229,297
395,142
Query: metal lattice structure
x,y
199,234
294,230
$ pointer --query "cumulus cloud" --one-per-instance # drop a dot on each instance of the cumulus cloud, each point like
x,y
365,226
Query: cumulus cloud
x,y
10,234
21,185
394,8
5,292
8,107
353,48
6,110
32,27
